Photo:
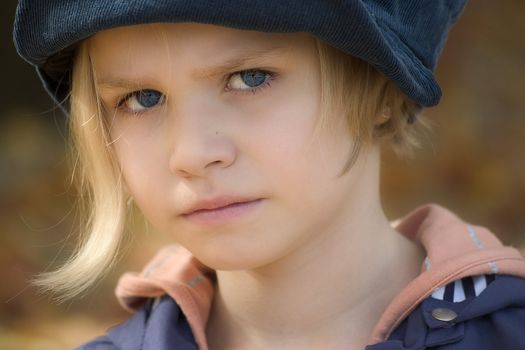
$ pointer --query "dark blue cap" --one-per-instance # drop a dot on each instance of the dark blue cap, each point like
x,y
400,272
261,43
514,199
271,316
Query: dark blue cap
x,y
401,38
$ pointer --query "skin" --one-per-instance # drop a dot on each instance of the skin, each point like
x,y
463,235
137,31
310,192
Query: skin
x,y
312,265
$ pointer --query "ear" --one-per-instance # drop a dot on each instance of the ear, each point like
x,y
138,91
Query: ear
x,y
383,117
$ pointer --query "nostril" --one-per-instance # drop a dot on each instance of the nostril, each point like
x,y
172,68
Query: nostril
x,y
217,162
194,154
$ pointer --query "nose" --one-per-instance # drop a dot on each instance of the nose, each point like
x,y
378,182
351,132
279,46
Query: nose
x,y
199,147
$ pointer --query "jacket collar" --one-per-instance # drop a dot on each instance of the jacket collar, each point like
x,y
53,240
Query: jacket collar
x,y
455,249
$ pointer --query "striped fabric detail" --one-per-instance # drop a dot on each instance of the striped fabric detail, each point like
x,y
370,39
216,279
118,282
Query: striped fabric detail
x,y
466,288
156,302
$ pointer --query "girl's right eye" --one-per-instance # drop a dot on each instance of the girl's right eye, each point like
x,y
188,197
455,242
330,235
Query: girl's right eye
x,y
141,100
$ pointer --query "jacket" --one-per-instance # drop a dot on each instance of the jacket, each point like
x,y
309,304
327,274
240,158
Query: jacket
x,y
470,294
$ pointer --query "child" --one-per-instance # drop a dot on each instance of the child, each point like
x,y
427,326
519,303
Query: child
x,y
251,133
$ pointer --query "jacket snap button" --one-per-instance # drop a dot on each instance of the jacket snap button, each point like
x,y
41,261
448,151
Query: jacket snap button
x,y
442,314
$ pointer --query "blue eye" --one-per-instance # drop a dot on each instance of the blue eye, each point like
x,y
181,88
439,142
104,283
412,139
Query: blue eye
x,y
251,80
139,101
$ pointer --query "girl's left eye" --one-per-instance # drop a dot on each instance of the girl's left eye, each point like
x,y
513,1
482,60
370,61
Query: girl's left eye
x,y
141,100
251,80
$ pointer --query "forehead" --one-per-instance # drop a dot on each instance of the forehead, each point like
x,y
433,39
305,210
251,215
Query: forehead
x,y
187,43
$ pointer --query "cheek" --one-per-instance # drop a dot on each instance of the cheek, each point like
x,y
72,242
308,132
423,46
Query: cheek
x,y
292,148
305,167
284,128
142,160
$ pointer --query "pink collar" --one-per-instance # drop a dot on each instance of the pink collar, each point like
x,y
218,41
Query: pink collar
x,y
455,249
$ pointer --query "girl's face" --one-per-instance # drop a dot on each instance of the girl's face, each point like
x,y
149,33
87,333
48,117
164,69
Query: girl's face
x,y
201,116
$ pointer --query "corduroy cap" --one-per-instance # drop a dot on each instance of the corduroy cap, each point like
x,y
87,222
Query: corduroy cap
x,y
401,38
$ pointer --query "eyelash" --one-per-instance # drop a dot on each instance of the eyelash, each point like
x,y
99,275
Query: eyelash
x,y
253,91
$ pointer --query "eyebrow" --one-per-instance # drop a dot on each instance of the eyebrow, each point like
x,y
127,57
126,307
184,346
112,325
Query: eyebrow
x,y
241,58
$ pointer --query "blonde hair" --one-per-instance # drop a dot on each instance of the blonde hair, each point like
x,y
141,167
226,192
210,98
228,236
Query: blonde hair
x,y
102,206
375,108
348,85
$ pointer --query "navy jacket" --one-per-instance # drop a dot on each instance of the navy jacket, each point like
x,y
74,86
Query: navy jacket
x,y
492,320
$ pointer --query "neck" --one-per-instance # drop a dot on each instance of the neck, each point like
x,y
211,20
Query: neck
x,y
328,294
325,294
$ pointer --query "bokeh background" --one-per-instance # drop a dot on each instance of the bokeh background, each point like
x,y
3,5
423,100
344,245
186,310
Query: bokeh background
x,y
472,163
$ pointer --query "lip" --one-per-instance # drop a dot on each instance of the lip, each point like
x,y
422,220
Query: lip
x,y
220,210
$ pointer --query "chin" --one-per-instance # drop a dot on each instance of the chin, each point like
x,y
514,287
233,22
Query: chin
x,y
228,259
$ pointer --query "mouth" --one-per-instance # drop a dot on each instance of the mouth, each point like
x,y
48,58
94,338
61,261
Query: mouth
x,y
220,210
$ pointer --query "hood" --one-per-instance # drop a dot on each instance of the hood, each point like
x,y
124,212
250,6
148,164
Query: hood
x,y
454,249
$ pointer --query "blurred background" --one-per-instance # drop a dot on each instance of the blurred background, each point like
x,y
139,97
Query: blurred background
x,y
473,163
